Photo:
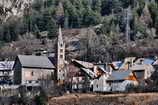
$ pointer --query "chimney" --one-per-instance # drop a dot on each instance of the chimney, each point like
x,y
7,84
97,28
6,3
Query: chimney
x,y
129,64
141,61
95,69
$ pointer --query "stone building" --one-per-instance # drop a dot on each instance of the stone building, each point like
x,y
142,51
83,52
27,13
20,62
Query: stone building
x,y
30,70
117,81
6,72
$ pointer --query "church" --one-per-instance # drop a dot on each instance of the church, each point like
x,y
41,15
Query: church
x,y
30,70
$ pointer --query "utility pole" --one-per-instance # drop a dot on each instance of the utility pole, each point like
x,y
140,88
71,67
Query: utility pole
x,y
87,55
128,15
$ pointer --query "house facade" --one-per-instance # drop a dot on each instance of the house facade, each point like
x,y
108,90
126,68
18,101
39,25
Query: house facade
x,y
6,72
143,71
100,84
80,74
117,81
128,62
31,70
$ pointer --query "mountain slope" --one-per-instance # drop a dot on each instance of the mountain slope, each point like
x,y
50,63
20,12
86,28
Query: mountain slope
x,y
9,8
94,30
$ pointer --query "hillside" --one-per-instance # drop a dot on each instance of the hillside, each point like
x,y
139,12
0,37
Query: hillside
x,y
12,8
94,30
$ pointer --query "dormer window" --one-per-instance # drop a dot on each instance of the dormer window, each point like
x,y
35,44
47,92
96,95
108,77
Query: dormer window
x,y
61,45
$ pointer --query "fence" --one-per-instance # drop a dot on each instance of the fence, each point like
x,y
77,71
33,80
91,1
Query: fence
x,y
12,90
8,90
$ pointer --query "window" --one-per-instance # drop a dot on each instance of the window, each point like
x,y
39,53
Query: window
x,y
61,56
61,50
32,73
97,85
77,79
61,45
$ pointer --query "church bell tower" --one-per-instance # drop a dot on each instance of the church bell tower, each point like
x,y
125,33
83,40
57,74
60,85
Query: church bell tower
x,y
60,57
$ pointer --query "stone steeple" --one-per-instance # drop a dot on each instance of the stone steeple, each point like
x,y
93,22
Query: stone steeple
x,y
60,57
60,36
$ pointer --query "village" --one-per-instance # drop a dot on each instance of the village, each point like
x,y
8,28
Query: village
x,y
75,75
78,52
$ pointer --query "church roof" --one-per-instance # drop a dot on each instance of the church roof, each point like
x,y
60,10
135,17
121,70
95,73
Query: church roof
x,y
83,63
6,65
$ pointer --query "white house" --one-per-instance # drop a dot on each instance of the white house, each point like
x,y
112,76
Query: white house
x,y
117,81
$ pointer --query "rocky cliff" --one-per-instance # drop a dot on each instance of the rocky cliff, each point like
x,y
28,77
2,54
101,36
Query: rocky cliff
x,y
9,8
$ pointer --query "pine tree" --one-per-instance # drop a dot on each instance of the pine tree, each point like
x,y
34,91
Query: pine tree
x,y
66,19
73,17
1,32
91,18
96,5
156,25
49,3
66,22
153,8
37,5
41,24
52,29
7,36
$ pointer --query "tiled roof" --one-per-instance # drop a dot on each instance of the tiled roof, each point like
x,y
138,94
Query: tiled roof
x,y
89,72
119,75
53,60
141,67
35,61
145,61
148,69
101,67
83,63
124,66
6,65
148,61
117,64
155,62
